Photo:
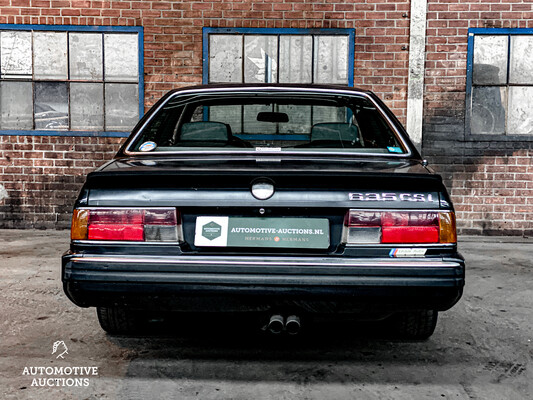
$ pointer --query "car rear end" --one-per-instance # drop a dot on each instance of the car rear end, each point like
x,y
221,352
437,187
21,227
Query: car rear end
x,y
284,235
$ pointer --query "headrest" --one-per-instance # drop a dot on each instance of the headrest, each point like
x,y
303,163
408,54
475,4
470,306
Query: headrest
x,y
334,131
204,131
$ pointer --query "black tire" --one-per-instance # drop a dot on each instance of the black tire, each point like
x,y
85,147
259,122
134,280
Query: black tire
x,y
415,325
120,320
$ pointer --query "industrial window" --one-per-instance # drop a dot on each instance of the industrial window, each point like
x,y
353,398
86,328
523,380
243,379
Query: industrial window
x,y
263,55
500,82
68,79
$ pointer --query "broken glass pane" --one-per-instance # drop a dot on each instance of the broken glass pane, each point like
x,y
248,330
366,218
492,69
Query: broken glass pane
x,y
331,59
50,55
15,54
225,58
121,106
520,115
490,59
521,59
121,57
16,111
87,106
85,52
51,106
260,62
488,110
295,57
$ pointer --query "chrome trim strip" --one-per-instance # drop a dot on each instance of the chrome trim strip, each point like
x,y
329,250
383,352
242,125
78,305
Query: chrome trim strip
x,y
315,262
253,151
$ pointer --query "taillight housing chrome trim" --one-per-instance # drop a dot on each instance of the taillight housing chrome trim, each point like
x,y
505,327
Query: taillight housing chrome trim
x,y
139,225
412,228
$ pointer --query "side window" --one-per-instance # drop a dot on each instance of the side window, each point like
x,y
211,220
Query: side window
x,y
499,86
70,80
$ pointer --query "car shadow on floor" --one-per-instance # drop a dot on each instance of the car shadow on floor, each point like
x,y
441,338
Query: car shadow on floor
x,y
233,348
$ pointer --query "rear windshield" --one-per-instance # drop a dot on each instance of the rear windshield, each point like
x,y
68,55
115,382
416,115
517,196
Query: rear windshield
x,y
268,122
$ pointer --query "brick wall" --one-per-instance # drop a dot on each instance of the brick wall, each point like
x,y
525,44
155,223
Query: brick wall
x,y
491,181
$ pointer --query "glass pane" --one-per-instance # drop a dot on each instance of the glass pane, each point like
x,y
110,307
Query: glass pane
x,y
15,54
520,116
488,110
87,106
50,55
16,111
260,63
121,106
321,114
331,59
299,119
521,60
121,57
51,106
231,115
225,58
85,52
252,125
490,60
295,57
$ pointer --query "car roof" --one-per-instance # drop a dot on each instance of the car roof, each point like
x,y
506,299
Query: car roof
x,y
221,87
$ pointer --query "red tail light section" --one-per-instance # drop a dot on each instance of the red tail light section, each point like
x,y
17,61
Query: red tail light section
x,y
399,227
127,224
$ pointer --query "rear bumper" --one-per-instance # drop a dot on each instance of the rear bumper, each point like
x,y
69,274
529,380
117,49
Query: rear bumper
x,y
232,283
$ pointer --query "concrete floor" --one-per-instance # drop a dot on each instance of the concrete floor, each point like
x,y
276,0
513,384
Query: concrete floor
x,y
482,348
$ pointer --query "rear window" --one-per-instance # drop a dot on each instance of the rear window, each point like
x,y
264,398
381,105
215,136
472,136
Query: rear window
x,y
273,122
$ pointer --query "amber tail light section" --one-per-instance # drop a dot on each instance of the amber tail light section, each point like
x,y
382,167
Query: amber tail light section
x,y
127,224
399,227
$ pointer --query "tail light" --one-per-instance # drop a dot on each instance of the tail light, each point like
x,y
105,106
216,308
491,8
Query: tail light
x,y
398,227
127,224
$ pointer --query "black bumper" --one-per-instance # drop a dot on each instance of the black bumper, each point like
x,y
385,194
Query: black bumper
x,y
238,283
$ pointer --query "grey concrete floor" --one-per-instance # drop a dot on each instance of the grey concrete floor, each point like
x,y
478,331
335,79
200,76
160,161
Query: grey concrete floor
x,y
482,348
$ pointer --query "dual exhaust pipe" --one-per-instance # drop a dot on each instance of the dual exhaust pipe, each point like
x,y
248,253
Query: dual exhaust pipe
x,y
278,324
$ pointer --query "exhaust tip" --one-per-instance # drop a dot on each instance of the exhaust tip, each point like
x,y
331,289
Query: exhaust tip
x,y
293,325
276,324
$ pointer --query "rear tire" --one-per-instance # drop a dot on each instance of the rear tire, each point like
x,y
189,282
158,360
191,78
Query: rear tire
x,y
415,325
120,320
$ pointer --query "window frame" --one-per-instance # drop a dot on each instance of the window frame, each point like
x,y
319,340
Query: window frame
x,y
350,32
472,33
139,30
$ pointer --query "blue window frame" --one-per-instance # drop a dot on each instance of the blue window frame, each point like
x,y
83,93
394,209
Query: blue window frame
x,y
269,55
66,80
499,84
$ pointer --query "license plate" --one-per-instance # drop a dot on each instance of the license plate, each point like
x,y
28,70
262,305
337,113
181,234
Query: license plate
x,y
308,233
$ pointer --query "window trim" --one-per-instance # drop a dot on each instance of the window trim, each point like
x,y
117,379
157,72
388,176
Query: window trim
x,y
139,30
350,32
472,32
